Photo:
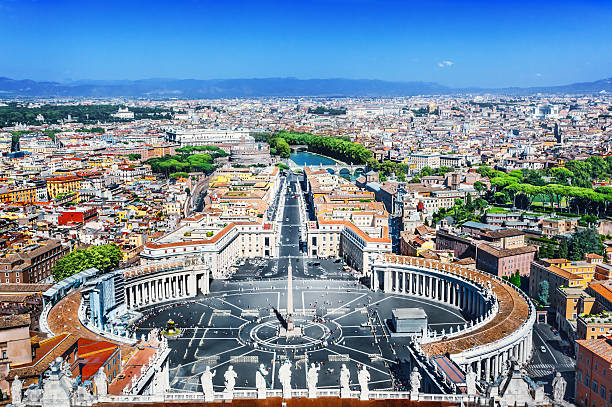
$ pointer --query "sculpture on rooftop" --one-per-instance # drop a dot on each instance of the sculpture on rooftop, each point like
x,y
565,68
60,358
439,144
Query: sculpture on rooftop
x,y
284,375
57,388
470,381
559,385
415,380
364,377
260,381
312,378
16,387
230,382
101,382
33,395
345,378
207,384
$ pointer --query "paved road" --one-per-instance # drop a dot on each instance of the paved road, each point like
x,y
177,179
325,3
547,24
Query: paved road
x,y
289,250
550,357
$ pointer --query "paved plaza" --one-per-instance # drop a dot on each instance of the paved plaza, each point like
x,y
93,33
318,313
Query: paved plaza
x,y
236,324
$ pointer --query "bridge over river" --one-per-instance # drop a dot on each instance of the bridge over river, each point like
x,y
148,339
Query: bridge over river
x,y
338,168
303,159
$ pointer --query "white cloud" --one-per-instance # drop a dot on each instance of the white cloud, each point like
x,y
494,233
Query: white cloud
x,y
538,74
445,64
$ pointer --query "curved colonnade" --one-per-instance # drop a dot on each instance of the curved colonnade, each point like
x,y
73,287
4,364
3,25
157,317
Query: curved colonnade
x,y
165,281
504,315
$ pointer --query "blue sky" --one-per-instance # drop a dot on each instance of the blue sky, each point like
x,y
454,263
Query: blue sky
x,y
456,43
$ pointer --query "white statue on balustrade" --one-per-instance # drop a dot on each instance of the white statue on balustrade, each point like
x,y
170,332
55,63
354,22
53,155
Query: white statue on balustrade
x,y
345,379
101,381
33,395
230,382
16,388
470,381
260,381
415,381
312,378
207,384
364,377
284,376
83,397
559,385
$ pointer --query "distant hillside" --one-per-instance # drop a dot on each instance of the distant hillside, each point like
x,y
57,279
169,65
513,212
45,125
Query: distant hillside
x,y
267,87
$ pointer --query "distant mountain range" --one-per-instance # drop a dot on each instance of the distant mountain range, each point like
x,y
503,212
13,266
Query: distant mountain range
x,y
267,87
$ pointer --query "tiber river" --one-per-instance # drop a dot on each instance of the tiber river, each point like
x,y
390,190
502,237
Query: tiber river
x,y
304,158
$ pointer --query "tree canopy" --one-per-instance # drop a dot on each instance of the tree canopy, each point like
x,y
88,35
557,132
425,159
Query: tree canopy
x,y
104,258
187,162
340,148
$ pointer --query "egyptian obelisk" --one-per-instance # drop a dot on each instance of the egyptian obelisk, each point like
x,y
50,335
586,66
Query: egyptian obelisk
x,y
289,290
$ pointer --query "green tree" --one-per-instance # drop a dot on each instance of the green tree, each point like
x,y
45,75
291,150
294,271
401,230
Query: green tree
x,y
543,292
516,279
563,251
546,251
104,258
561,175
427,171
479,186
583,242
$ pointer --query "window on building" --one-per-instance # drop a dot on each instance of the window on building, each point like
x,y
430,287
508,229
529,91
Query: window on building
x,y
594,387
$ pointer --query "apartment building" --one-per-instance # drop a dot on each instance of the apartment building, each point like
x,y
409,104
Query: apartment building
x,y
559,273
498,251
422,160
63,185
558,226
231,226
31,262
349,223
22,194
594,372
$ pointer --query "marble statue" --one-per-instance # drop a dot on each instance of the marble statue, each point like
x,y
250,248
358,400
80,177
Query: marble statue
x,y
345,378
364,377
312,378
230,381
207,384
470,381
284,376
83,396
559,385
415,380
33,395
16,387
57,387
101,382
260,381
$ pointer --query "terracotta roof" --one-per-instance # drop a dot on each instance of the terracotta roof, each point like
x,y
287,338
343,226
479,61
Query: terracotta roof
x,y
593,256
602,289
601,347
515,251
14,321
23,288
48,351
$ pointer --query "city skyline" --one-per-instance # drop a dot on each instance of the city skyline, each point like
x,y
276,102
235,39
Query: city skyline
x,y
472,44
